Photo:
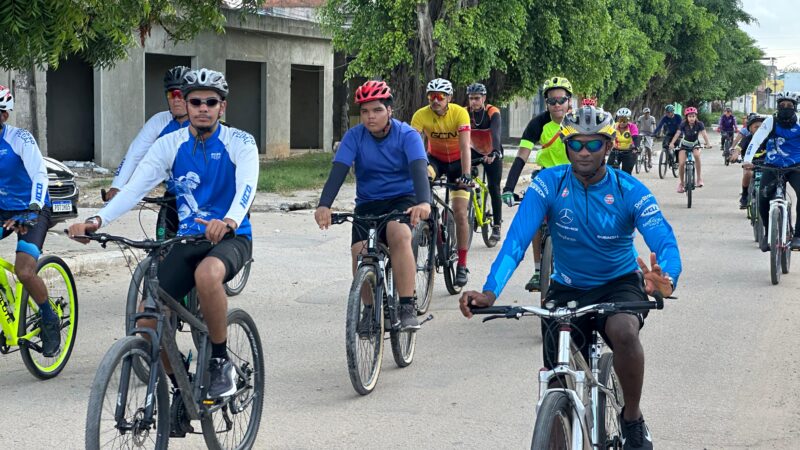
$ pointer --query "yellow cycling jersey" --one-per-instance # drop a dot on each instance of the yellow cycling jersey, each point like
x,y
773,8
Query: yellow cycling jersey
x,y
442,131
547,133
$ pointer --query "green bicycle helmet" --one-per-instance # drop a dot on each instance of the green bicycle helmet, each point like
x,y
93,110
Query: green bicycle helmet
x,y
557,83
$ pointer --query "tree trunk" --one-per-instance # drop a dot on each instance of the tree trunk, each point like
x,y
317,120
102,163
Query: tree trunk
x,y
25,101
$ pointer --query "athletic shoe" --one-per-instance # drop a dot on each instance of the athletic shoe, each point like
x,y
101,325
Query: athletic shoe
x,y
50,333
635,435
534,283
461,276
407,314
222,373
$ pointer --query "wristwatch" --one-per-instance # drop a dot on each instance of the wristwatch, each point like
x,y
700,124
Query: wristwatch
x,y
671,282
94,220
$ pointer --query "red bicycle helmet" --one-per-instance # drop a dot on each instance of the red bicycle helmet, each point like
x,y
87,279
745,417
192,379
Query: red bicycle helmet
x,y
589,102
373,90
690,110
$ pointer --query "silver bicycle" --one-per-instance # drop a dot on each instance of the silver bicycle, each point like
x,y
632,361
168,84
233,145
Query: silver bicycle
x,y
584,413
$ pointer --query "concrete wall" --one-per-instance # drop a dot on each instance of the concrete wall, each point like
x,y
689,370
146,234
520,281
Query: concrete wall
x,y
791,81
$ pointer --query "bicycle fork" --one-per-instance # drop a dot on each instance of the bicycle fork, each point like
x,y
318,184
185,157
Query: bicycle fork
x,y
778,204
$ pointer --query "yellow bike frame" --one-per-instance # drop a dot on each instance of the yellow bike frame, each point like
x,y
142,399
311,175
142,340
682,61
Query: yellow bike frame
x,y
479,205
10,306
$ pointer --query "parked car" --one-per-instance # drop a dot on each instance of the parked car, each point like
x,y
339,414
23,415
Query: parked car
x,y
63,191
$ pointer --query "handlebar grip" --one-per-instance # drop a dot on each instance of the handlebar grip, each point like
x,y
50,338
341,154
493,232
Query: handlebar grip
x,y
103,195
490,310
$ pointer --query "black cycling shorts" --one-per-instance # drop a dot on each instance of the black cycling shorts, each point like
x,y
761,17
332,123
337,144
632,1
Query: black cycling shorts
x,y
627,288
176,271
452,170
376,208
31,242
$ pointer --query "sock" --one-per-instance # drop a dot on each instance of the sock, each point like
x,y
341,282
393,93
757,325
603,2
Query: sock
x,y
173,380
220,350
47,313
462,258
406,300
538,266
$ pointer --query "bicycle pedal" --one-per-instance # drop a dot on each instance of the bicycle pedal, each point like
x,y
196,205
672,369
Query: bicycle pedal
x,y
427,319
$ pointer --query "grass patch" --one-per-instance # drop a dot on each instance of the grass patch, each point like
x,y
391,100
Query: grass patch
x,y
99,183
308,171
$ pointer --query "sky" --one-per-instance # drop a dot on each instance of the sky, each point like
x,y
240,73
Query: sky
x,y
776,29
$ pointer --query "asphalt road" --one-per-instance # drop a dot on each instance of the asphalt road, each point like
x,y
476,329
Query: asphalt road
x,y
722,366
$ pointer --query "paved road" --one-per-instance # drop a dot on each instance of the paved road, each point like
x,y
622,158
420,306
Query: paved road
x,y
722,364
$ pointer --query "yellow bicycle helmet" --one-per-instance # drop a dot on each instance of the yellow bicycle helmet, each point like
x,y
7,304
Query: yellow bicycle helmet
x,y
557,83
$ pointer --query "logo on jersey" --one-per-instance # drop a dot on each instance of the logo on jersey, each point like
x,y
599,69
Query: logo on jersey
x,y
216,156
246,196
565,193
39,190
542,184
606,220
537,189
642,200
566,279
3,151
609,199
444,135
653,222
650,210
565,216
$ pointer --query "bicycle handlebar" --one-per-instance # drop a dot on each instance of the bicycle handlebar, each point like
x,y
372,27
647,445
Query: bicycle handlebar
x,y
338,218
146,244
161,201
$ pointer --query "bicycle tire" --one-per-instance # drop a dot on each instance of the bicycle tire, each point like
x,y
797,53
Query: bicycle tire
x,y
250,388
364,374
117,356
236,285
472,223
662,164
486,227
403,343
553,426
648,160
450,264
63,297
674,164
610,431
423,246
786,254
638,163
689,184
546,266
775,241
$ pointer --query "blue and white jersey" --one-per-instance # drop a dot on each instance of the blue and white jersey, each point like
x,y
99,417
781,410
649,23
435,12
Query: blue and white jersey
x,y
783,144
592,229
213,179
160,124
23,174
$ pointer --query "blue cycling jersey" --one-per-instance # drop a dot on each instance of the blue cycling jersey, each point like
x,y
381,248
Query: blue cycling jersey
x,y
592,229
783,144
670,124
23,174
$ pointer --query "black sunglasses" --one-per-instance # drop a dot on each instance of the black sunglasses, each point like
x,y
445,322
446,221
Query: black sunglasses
x,y
556,100
211,102
594,146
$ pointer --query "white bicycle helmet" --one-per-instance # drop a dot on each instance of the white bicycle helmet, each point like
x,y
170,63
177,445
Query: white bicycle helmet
x,y
624,112
783,96
440,85
6,99
587,120
205,79
646,110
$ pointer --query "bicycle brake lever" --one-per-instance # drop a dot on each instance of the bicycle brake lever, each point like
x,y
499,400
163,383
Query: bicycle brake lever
x,y
496,316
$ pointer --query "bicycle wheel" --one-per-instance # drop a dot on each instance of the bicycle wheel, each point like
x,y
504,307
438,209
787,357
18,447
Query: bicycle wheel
x,y
689,184
638,163
786,254
235,424
365,346
451,263
113,382
63,298
486,227
662,164
236,285
472,222
423,246
403,342
553,427
775,242
648,156
547,266
610,431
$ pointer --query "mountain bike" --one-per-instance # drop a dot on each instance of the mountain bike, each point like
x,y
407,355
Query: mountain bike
x,y
480,208
647,153
781,227
442,224
129,402
20,319
689,175
372,308
667,160
584,413
752,204
727,140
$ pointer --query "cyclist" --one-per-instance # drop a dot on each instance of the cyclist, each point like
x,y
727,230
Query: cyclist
x,y
446,127
624,154
727,127
215,168
781,132
595,210
753,123
24,199
391,175
670,122
742,132
486,126
689,132
543,129
588,101
647,126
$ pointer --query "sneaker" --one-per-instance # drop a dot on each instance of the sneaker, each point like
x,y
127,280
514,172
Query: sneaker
x,y
795,245
221,372
407,314
635,435
495,233
50,333
681,189
743,202
764,245
365,324
179,421
534,283
461,276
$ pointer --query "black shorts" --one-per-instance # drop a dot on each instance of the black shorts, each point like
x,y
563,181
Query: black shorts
x,y
31,242
451,170
627,288
376,208
176,271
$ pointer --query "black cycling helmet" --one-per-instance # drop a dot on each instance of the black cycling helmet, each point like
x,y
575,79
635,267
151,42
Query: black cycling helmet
x,y
476,88
173,78
754,118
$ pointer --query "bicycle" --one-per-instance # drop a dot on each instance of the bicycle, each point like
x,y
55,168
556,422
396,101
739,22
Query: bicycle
x,y
752,204
666,160
781,227
689,172
647,154
20,319
727,140
129,401
442,232
584,413
480,208
373,304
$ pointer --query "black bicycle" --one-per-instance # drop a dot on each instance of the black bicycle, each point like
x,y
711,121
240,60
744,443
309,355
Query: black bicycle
x,y
372,308
442,226
667,160
753,199
129,403
727,140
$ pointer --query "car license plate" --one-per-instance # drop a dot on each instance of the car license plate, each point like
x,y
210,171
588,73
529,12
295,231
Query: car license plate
x,y
62,206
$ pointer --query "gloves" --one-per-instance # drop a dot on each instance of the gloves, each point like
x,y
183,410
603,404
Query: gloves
x,y
465,180
508,198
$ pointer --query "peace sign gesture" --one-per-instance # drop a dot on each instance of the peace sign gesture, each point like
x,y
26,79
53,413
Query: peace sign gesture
x,y
654,278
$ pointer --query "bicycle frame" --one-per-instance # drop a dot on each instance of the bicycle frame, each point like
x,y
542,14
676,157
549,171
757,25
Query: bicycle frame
x,y
782,203
480,195
443,253
11,307
377,258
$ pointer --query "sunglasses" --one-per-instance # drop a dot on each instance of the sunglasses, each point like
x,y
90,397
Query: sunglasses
x,y
436,96
211,102
593,146
552,101
175,93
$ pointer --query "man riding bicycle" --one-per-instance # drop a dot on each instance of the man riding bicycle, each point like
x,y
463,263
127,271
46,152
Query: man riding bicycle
x,y
391,175
216,168
486,126
594,212
647,126
689,133
446,126
781,132
543,129
627,140
25,208
754,122
727,127
670,122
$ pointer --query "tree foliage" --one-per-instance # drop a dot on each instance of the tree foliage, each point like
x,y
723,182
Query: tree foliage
x,y
625,52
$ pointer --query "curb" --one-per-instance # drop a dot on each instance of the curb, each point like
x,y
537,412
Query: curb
x,y
97,262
